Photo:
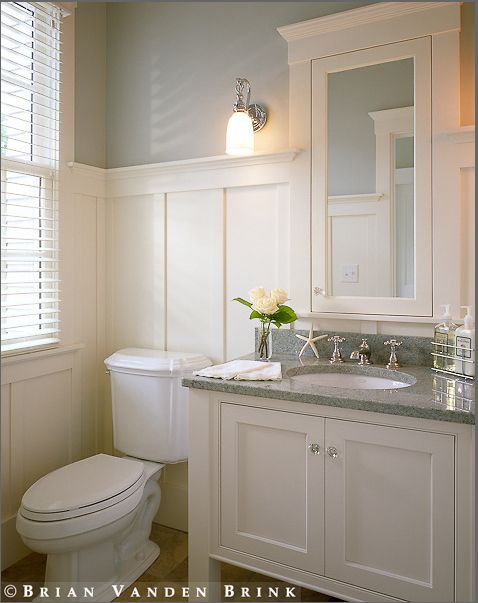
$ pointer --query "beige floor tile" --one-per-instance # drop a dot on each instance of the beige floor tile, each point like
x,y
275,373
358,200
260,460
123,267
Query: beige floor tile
x,y
170,570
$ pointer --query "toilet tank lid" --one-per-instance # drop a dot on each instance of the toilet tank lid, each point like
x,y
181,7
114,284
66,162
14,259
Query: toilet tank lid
x,y
145,360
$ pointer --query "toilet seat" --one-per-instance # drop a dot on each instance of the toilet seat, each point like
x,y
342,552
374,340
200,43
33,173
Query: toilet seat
x,y
82,488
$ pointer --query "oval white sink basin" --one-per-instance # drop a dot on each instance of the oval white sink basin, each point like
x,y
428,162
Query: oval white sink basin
x,y
349,381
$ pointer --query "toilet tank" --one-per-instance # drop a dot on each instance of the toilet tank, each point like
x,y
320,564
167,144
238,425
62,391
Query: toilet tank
x,y
150,406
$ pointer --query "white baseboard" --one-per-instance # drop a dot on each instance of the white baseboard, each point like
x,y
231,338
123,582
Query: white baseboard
x,y
13,548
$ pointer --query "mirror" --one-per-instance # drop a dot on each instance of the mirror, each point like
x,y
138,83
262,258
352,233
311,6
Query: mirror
x,y
370,204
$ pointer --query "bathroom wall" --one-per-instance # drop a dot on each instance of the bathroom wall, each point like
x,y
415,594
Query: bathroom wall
x,y
182,242
467,67
51,402
90,84
172,69
183,239
169,70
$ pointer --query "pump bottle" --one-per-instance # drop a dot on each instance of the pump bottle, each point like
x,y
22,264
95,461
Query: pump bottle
x,y
465,345
445,337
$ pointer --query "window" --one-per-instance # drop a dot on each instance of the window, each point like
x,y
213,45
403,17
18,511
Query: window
x,y
30,78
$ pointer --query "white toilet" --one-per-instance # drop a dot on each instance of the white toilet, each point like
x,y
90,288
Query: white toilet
x,y
93,517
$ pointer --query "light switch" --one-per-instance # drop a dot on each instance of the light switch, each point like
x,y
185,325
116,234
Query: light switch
x,y
350,273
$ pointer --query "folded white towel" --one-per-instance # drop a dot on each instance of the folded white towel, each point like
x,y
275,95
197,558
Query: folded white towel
x,y
247,370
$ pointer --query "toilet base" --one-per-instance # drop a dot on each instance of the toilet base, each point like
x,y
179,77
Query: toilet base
x,y
104,593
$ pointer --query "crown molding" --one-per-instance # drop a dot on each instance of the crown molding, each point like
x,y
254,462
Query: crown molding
x,y
357,17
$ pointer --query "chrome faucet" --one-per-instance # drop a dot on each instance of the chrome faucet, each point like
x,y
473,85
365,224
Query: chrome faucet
x,y
336,357
393,362
362,354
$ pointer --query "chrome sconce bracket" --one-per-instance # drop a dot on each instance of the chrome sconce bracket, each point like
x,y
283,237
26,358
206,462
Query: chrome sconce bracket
x,y
256,112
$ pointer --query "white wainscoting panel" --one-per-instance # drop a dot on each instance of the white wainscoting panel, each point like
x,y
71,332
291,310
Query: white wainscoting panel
x,y
41,428
195,272
135,275
257,253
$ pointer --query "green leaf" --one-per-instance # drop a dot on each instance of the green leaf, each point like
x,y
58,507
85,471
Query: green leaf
x,y
243,301
284,315
255,314
277,323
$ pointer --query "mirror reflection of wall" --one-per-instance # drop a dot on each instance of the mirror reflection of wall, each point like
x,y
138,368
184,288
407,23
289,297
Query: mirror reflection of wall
x,y
370,180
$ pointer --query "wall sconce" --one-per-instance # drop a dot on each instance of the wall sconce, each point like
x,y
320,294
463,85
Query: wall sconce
x,y
245,120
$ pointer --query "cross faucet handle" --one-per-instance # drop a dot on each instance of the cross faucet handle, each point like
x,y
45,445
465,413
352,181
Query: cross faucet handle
x,y
393,343
393,362
336,354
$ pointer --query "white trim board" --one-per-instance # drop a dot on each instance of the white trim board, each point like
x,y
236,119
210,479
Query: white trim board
x,y
201,173
355,17
358,28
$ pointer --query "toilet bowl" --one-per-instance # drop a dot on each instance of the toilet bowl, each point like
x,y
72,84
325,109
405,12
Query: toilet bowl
x,y
93,517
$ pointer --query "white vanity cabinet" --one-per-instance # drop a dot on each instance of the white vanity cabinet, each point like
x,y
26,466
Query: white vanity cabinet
x,y
272,485
359,505
374,507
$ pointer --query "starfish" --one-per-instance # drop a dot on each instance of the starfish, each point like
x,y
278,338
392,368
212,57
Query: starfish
x,y
310,340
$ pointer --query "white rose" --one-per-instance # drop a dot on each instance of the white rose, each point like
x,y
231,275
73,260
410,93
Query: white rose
x,y
265,305
279,295
256,293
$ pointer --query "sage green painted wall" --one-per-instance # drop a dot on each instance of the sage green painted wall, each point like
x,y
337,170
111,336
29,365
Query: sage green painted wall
x,y
90,83
172,69
155,80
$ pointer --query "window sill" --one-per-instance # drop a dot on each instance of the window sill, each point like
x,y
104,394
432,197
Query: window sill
x,y
27,355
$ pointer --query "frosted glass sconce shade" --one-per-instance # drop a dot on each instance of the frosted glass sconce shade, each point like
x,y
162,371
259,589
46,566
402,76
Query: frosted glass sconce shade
x,y
245,120
240,135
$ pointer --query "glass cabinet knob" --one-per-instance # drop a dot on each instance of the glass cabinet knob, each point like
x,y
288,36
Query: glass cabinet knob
x,y
314,448
332,452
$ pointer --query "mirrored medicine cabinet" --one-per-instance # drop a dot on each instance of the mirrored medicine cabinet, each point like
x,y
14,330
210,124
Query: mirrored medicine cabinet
x,y
363,226
371,180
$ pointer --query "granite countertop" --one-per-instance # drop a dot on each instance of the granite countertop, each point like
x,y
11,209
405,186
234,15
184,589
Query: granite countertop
x,y
432,396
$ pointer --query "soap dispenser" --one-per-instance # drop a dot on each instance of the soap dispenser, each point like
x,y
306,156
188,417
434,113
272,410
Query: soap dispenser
x,y
445,342
465,345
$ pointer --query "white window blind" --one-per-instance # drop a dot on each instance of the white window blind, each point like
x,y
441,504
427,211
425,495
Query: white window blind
x,y
30,118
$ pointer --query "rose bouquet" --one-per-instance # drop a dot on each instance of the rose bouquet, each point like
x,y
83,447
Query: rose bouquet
x,y
269,309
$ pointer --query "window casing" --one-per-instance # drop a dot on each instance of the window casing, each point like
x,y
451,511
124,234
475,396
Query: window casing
x,y
30,123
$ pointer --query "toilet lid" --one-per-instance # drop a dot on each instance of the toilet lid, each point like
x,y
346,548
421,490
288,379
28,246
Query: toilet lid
x,y
82,487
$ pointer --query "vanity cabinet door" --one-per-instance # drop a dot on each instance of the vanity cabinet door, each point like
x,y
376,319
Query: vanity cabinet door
x,y
390,510
271,485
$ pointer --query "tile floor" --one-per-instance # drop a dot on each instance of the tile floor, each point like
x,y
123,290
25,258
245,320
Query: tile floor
x,y
169,570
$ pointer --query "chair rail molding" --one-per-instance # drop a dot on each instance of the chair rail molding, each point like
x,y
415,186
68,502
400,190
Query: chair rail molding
x,y
202,173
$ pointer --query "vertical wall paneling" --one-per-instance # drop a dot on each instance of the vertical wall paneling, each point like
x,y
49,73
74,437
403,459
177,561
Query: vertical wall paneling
x,y
257,253
195,272
135,259
85,271
42,413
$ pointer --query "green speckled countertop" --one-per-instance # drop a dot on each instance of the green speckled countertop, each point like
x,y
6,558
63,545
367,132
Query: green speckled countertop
x,y
432,396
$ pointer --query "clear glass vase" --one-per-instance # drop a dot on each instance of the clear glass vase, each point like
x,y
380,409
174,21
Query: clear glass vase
x,y
264,347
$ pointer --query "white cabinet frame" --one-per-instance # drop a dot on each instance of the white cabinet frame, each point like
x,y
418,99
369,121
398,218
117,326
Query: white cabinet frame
x,y
379,25
421,305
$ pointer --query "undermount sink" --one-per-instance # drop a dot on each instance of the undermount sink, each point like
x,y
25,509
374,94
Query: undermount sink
x,y
351,377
